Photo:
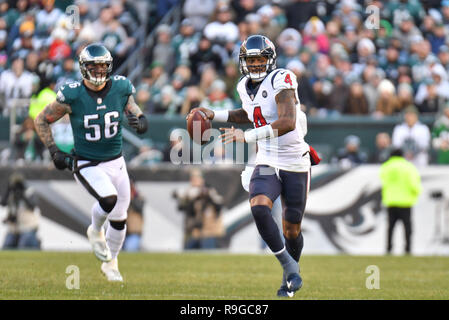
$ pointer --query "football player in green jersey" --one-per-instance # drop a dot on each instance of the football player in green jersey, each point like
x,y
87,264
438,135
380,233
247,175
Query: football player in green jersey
x,y
96,106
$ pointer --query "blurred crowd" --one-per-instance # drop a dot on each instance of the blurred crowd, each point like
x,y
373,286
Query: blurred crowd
x,y
364,57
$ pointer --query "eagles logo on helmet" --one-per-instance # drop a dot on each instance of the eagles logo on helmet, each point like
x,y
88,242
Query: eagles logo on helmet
x,y
92,60
257,46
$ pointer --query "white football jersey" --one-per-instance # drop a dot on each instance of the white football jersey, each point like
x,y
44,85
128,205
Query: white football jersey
x,y
289,151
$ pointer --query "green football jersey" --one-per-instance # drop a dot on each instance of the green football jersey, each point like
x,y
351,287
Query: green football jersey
x,y
96,117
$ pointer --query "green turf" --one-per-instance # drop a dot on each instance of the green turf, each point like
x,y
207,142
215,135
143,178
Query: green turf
x,y
198,276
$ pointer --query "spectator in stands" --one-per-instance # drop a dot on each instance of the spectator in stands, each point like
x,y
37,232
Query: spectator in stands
x,y
305,90
405,95
203,58
27,39
350,155
217,99
207,78
383,148
289,44
443,57
199,12
315,35
432,94
440,136
253,22
100,25
47,18
269,26
338,95
168,102
357,104
185,42
389,62
406,30
163,51
16,83
117,41
298,12
242,8
371,79
387,102
413,137
222,30
23,215
231,79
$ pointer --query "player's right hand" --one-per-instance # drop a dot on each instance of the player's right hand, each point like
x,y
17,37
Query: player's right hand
x,y
62,160
209,114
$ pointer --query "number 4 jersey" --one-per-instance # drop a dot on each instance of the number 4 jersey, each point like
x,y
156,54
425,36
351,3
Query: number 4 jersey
x,y
96,117
289,151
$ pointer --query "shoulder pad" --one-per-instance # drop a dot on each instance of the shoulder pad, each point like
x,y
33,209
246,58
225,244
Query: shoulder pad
x,y
284,79
68,92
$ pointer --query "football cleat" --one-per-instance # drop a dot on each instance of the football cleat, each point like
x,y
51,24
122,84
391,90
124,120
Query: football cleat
x,y
99,245
283,292
110,270
294,282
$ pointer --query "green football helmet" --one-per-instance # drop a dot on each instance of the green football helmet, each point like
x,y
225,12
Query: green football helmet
x,y
89,59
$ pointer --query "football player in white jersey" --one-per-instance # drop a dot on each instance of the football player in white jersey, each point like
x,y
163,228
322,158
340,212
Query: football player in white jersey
x,y
270,101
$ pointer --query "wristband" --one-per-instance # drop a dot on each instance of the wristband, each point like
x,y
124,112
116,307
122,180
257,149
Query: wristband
x,y
261,133
221,115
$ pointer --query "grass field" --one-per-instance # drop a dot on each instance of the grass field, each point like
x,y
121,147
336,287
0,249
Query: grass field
x,y
216,276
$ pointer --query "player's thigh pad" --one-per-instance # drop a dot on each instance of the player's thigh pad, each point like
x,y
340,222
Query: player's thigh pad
x,y
295,187
265,181
96,181
120,180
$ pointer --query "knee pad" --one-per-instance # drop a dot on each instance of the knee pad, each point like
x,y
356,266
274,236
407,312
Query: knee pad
x,y
108,203
118,225
260,211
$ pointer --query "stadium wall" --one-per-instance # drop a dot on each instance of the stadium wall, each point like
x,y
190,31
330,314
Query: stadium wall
x,y
344,213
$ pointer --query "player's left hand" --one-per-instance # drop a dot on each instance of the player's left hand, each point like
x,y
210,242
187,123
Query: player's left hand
x,y
140,124
232,134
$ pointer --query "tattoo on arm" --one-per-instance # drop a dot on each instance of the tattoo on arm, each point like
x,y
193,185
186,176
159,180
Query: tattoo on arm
x,y
132,107
238,116
286,103
51,113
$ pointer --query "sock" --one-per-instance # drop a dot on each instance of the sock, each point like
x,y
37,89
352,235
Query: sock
x,y
294,246
115,239
98,216
288,264
268,229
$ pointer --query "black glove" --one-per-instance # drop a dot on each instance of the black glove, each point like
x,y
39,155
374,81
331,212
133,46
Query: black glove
x,y
140,124
62,160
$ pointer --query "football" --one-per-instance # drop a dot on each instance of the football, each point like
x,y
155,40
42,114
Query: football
x,y
197,126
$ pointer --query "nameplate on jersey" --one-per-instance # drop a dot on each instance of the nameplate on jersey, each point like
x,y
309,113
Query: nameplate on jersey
x,y
101,107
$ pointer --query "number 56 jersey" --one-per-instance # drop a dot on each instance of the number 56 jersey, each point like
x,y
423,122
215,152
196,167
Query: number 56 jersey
x,y
96,117
289,151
